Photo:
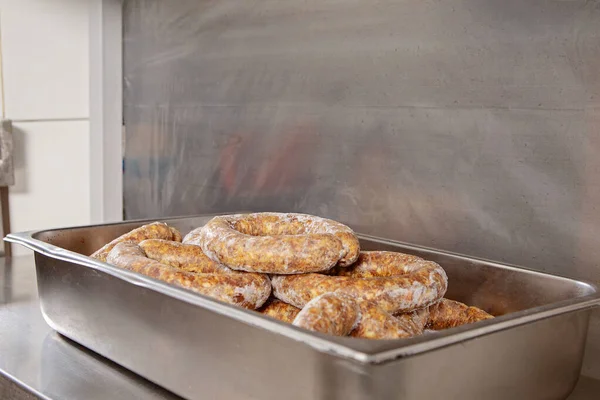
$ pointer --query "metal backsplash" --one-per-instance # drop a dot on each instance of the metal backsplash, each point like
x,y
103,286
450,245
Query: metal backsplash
x,y
466,125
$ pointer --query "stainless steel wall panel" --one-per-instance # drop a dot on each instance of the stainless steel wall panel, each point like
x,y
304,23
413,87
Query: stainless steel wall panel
x,y
472,126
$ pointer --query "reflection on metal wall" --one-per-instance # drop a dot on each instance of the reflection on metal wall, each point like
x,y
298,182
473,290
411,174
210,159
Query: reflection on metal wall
x,y
466,125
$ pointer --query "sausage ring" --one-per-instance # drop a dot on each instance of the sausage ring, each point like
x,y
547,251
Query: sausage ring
x,y
376,323
331,313
155,230
277,309
322,315
276,243
450,314
371,264
242,289
413,285
443,314
188,257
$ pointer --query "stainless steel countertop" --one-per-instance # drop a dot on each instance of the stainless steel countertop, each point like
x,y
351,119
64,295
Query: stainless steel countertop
x,y
36,362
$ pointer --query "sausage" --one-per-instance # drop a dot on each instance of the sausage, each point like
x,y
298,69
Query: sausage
x,y
330,313
245,290
187,257
417,318
176,235
424,285
155,230
450,314
277,309
276,243
380,264
376,323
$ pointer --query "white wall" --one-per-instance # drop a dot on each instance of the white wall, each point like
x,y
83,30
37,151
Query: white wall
x,y
45,52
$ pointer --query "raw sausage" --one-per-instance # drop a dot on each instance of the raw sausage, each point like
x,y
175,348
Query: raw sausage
x,y
450,314
331,313
277,309
245,290
155,230
417,318
372,264
176,235
376,323
422,285
188,257
276,243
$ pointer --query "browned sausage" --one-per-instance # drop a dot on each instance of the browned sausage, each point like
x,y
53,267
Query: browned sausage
x,y
277,309
188,257
155,230
245,290
331,313
449,314
276,243
422,286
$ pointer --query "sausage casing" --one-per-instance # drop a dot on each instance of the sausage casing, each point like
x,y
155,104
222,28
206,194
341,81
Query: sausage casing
x,y
420,288
450,314
376,323
331,313
276,243
371,264
277,309
155,230
188,257
245,290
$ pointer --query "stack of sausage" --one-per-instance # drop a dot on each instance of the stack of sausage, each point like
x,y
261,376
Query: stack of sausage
x,y
301,269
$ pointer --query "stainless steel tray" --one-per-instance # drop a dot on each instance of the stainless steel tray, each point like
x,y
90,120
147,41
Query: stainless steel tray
x,y
202,349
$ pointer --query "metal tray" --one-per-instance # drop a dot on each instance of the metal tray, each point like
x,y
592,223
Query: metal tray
x,y
199,348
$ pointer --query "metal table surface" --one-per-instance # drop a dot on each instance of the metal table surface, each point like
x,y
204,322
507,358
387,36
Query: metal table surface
x,y
36,362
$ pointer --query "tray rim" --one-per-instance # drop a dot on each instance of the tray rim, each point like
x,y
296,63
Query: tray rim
x,y
362,351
